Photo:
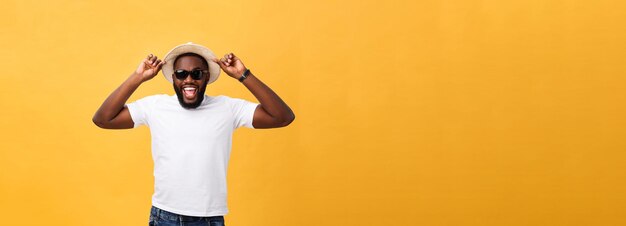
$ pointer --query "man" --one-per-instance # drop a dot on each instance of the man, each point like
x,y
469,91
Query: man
x,y
191,132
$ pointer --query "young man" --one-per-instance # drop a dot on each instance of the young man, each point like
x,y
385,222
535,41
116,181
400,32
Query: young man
x,y
191,132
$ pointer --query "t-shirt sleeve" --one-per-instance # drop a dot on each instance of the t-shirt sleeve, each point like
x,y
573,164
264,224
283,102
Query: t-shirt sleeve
x,y
139,110
243,112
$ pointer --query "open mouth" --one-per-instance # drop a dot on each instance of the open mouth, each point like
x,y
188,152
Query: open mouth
x,y
189,92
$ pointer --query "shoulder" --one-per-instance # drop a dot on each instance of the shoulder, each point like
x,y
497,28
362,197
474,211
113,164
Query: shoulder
x,y
152,99
156,97
231,101
237,104
224,99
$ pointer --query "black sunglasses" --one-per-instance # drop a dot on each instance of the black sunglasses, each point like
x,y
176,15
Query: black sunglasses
x,y
195,74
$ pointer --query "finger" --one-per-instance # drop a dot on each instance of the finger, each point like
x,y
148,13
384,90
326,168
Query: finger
x,y
223,65
232,58
147,60
218,62
160,65
157,62
215,60
224,61
235,58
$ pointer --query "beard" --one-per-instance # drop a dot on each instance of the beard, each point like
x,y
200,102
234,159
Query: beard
x,y
195,104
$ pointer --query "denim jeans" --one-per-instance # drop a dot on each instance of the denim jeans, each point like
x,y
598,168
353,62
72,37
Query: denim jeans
x,y
159,217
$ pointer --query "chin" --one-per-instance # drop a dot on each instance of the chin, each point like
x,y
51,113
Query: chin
x,y
192,104
189,104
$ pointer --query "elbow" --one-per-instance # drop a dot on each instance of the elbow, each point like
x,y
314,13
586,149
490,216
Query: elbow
x,y
288,120
98,122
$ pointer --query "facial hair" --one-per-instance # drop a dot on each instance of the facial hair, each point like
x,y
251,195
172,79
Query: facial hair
x,y
195,104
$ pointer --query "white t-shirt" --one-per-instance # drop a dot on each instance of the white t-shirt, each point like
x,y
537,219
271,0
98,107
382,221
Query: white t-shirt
x,y
190,149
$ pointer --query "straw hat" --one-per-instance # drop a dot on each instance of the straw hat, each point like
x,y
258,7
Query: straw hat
x,y
168,67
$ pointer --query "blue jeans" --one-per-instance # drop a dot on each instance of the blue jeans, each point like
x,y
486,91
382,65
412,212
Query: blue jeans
x,y
159,217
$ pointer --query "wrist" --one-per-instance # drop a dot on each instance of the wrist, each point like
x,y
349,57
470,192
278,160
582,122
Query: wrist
x,y
136,78
246,73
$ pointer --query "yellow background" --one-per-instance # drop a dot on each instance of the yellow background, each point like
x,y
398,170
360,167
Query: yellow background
x,y
408,112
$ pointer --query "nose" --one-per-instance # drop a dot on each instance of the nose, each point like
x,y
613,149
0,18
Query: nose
x,y
188,78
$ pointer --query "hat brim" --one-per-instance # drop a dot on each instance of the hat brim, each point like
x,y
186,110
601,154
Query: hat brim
x,y
168,67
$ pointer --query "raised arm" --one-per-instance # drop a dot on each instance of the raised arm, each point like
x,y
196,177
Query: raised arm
x,y
272,111
113,114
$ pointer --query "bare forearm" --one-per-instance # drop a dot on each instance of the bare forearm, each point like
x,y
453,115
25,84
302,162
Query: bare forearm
x,y
269,100
116,100
273,111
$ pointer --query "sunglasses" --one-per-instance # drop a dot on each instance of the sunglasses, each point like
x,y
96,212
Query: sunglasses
x,y
195,74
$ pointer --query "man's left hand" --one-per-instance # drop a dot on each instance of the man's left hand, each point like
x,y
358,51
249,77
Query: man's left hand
x,y
232,65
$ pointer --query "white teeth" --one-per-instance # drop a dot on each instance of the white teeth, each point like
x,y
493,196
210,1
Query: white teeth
x,y
189,88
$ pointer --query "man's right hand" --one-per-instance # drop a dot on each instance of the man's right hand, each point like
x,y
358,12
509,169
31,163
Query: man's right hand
x,y
149,68
113,113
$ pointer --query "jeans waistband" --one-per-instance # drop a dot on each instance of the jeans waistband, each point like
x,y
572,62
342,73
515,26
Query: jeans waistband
x,y
159,213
